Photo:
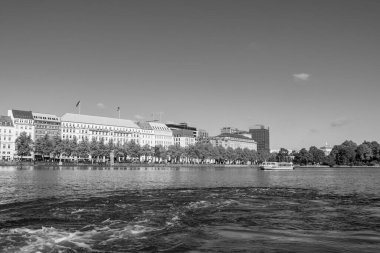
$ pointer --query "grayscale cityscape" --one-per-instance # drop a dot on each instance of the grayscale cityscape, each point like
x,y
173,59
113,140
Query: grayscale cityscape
x,y
189,126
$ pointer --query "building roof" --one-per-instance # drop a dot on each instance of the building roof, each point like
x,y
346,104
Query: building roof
x,y
22,114
97,120
144,125
45,116
6,121
238,136
182,133
158,126
181,126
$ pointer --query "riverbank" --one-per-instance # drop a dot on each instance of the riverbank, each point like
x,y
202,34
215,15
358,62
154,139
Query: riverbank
x,y
127,165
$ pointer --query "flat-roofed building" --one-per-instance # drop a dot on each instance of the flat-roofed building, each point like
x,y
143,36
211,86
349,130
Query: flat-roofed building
x,y
260,134
46,124
234,141
163,134
147,136
7,138
88,127
23,121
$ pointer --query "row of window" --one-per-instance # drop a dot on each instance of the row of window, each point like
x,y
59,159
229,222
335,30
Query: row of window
x,y
111,128
5,131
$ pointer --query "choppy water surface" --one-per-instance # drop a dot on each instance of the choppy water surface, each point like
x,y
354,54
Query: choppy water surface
x,y
189,210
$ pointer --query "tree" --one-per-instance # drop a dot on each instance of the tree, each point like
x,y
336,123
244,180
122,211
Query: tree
x,y
364,153
133,149
83,149
317,155
146,151
58,148
282,155
160,152
44,146
94,149
303,157
24,145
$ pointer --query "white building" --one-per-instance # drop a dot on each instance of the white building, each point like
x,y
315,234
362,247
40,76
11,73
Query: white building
x,y
147,136
89,127
163,134
234,141
23,122
183,137
7,138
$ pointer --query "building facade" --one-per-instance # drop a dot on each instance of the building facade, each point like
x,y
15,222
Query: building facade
x,y
7,138
260,134
23,121
89,127
163,134
183,137
147,136
233,141
46,124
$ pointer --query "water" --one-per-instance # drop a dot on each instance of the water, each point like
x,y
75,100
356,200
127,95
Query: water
x,y
91,209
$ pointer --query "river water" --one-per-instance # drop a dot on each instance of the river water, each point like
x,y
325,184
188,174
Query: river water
x,y
94,209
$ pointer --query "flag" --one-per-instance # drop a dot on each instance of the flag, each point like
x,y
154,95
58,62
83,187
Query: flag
x,y
118,108
77,104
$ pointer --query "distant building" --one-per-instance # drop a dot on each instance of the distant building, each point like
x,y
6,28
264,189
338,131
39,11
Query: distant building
x,y
183,135
229,130
202,135
7,138
228,140
184,126
147,136
23,121
260,134
326,149
46,124
163,134
95,127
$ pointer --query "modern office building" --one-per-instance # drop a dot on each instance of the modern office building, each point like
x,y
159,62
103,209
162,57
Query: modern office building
x,y
46,124
7,138
234,141
163,134
23,121
260,134
147,136
94,127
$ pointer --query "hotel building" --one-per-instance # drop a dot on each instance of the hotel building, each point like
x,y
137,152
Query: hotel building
x,y
23,121
46,124
183,135
7,140
88,127
147,136
163,134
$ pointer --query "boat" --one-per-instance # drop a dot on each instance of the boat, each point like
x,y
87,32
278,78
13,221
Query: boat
x,y
277,166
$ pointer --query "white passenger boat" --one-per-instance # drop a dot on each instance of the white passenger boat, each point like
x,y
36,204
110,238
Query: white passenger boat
x,y
277,166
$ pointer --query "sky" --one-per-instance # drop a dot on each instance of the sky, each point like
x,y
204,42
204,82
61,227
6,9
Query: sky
x,y
309,70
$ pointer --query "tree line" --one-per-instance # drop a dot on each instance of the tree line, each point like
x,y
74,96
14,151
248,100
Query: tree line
x,y
346,154
98,151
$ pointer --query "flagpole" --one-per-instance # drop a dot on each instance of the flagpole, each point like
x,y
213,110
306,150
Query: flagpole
x,y
119,113
79,109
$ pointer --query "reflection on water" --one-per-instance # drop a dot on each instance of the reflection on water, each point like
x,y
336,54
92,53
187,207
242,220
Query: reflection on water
x,y
86,209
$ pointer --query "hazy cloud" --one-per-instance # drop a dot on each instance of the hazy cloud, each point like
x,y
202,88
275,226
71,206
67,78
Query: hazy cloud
x,y
301,77
138,116
340,122
100,105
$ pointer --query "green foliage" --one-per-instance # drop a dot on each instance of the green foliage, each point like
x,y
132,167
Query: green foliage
x,y
24,145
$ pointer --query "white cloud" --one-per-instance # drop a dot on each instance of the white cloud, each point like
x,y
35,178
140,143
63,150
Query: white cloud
x,y
138,116
100,105
340,122
301,77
